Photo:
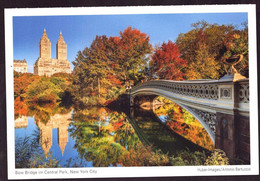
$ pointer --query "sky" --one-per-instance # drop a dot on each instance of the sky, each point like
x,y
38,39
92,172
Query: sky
x,y
79,31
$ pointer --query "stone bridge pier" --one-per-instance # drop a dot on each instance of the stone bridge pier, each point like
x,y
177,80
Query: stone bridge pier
x,y
233,135
221,106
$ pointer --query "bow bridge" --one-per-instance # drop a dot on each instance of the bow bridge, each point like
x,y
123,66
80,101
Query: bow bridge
x,y
221,106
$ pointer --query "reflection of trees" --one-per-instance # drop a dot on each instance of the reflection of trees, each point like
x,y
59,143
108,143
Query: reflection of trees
x,y
107,138
41,111
47,117
183,123
93,140
153,131
101,136
123,130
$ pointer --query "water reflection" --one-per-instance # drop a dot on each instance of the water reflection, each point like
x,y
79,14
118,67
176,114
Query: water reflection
x,y
59,121
153,132
21,122
183,123
47,123
103,137
100,137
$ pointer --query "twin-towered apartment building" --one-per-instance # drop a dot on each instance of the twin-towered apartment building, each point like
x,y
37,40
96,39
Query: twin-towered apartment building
x,y
45,65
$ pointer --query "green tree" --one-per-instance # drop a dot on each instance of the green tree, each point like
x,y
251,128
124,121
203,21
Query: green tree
x,y
94,77
45,90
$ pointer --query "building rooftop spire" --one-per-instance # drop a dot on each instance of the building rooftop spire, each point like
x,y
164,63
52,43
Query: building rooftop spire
x,y
44,34
61,38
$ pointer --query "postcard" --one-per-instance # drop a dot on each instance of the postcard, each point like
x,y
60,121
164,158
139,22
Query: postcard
x,y
141,91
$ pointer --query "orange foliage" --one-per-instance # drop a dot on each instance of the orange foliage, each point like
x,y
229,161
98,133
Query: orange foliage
x,y
66,76
129,35
113,79
196,134
178,127
166,62
20,108
117,125
21,83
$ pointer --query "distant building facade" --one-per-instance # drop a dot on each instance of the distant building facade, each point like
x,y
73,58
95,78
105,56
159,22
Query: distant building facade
x,y
45,65
20,66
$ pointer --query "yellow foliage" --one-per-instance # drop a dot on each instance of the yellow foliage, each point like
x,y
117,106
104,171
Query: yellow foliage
x,y
217,157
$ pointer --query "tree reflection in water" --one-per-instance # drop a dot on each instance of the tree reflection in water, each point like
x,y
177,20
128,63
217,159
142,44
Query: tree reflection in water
x,y
111,138
32,150
101,137
183,123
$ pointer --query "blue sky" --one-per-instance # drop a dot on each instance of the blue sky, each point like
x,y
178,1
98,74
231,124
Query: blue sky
x,y
80,31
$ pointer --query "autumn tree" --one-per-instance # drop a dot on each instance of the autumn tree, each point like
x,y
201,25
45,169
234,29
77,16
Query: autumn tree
x,y
102,69
166,62
234,44
22,82
203,48
132,50
94,76
46,90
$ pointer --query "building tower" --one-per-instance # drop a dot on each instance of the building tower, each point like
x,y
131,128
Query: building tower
x,y
47,66
45,46
61,49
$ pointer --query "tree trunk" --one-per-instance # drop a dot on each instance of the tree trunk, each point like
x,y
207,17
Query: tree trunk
x,y
98,88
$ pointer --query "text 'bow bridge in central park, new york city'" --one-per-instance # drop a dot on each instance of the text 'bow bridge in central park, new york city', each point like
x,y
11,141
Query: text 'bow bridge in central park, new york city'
x,y
221,106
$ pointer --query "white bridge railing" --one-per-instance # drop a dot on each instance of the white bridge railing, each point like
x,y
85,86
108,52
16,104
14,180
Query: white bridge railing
x,y
222,93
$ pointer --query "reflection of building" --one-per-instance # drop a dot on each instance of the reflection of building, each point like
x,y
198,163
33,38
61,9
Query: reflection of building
x,y
20,66
45,65
21,122
59,121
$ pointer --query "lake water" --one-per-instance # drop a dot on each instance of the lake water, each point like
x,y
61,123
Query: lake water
x,y
94,137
